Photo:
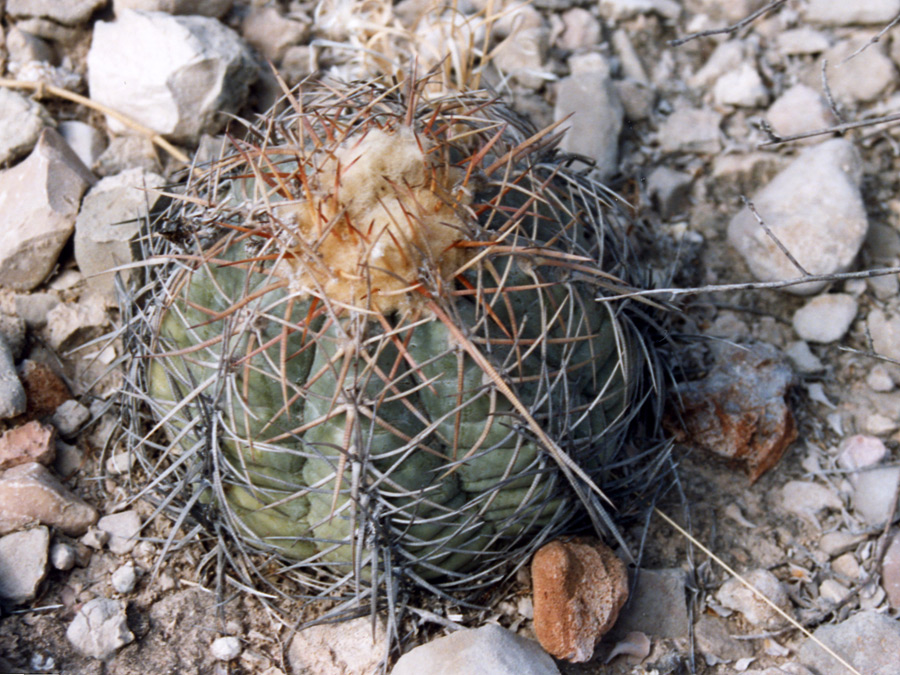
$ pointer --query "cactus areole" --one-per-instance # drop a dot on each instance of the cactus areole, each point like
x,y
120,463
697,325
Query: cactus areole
x,y
377,351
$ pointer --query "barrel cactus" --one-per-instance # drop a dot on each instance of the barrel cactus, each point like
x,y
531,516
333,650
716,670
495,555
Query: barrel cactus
x,y
375,347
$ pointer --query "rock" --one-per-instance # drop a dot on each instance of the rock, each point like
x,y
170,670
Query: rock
x,y
691,130
13,400
489,650
23,564
521,55
214,8
738,410
270,33
798,110
879,379
637,99
806,499
657,606
714,640
32,308
24,47
30,442
69,418
44,389
862,79
580,29
109,223
670,189
95,538
579,587
629,60
348,648
836,543
869,641
838,13
734,595
128,152
124,578
803,359
858,452
890,572
29,494
85,140
815,209
802,40
206,71
741,87
727,56
39,200
225,648
123,529
66,12
21,122
873,493
847,565
100,628
71,324
622,10
832,591
596,118
826,318
62,556
299,63
12,329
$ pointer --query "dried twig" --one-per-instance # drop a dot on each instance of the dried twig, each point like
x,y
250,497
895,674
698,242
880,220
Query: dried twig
x,y
837,129
772,236
729,29
826,89
875,39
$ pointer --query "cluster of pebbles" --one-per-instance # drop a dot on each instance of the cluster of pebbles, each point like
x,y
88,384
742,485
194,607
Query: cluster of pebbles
x,y
678,129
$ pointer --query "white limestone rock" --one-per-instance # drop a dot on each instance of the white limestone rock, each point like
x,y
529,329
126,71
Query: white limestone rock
x,y
826,318
66,12
174,74
815,209
21,123
23,563
798,110
843,13
214,8
100,628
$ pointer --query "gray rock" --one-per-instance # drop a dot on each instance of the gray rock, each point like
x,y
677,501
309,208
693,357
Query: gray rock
x,y
869,641
33,308
29,494
24,48
85,140
862,79
336,649
580,30
879,379
299,63
802,40
123,529
39,200
69,417
62,556
72,323
728,56
21,122
12,394
741,87
489,650
734,595
637,99
806,498
100,628
522,54
670,189
23,563
803,359
826,318
873,493
207,71
12,329
596,118
124,578
841,13
621,10
815,209
798,110
836,543
691,130
225,648
66,12
214,8
270,33
111,217
714,640
657,606
890,572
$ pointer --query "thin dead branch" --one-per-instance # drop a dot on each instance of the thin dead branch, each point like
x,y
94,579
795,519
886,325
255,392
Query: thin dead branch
x,y
746,21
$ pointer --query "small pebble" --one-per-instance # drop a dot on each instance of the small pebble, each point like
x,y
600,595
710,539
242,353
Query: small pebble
x,y
69,417
879,380
836,543
100,628
95,538
847,565
23,563
123,529
734,595
62,556
225,648
691,130
826,318
120,463
803,359
124,578
741,87
805,498
858,452
833,591
31,442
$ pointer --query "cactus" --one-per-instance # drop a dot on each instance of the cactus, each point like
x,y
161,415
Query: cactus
x,y
375,347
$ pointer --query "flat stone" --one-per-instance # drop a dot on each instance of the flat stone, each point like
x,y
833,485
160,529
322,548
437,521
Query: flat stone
x,y
741,87
869,641
836,543
802,40
13,399
726,57
30,494
177,75
596,118
579,587
339,649
847,565
862,79
72,323
798,110
826,318
691,130
734,595
109,223
30,442
32,308
873,493
100,628
806,498
489,650
714,640
123,529
657,607
839,13
890,572
21,122
815,210
39,200
66,12
23,564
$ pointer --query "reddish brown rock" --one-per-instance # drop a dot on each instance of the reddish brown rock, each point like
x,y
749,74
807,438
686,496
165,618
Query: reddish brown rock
x,y
30,494
31,442
44,389
738,411
579,588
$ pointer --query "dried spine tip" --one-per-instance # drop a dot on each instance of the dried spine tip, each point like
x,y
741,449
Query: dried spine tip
x,y
379,353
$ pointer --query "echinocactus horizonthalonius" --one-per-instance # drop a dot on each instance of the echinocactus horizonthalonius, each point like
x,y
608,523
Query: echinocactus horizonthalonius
x,y
374,345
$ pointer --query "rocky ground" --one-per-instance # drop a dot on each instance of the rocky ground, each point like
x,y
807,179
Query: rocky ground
x,y
680,130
